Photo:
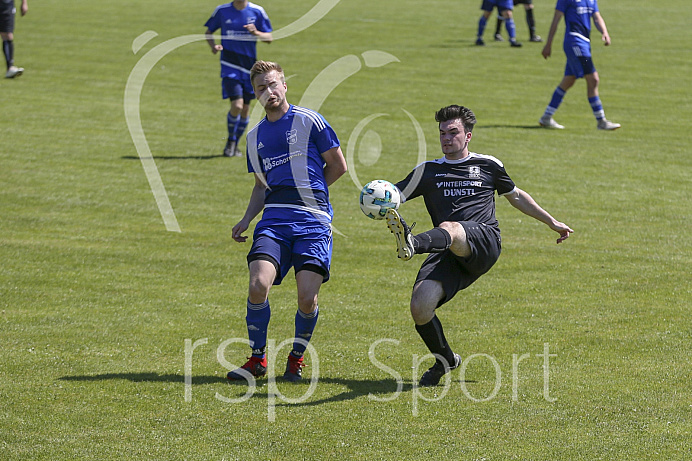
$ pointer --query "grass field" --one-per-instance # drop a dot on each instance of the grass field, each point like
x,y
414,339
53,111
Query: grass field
x,y
576,351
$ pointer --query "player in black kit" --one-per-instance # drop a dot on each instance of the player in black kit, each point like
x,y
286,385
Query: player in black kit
x,y
458,190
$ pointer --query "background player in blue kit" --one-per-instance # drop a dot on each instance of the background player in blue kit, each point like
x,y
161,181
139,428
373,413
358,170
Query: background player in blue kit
x,y
295,156
504,9
242,23
577,46
7,14
530,21
458,190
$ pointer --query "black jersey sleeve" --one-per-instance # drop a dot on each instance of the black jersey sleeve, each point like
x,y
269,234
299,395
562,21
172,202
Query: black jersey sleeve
x,y
503,183
410,186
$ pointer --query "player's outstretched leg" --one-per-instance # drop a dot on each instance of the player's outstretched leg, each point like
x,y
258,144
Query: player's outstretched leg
x,y
402,232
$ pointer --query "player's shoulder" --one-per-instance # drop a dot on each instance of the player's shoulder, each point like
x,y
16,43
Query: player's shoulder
x,y
309,116
258,125
257,8
486,158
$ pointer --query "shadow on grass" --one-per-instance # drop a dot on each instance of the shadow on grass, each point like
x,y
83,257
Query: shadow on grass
x,y
356,387
173,157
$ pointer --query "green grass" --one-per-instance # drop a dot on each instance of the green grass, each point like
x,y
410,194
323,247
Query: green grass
x,y
97,299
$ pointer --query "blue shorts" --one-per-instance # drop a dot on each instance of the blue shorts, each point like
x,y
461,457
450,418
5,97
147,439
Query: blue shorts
x,y
501,5
579,62
235,88
286,246
456,273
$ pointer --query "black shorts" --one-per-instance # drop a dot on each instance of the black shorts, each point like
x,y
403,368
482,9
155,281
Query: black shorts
x,y
7,13
456,273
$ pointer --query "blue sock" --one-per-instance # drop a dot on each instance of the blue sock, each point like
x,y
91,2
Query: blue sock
x,y
555,102
597,108
511,29
240,126
232,122
305,325
257,320
481,26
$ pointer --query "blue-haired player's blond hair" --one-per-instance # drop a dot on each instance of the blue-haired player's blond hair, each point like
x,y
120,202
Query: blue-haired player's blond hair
x,y
262,67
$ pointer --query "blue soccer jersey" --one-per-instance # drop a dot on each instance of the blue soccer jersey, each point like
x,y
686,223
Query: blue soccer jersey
x,y
578,15
289,153
239,46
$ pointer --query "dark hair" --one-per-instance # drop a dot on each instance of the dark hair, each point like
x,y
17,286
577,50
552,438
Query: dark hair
x,y
454,112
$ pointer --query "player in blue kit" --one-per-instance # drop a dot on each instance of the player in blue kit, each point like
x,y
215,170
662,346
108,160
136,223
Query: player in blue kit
x,y
242,23
7,15
295,156
577,47
504,9
459,194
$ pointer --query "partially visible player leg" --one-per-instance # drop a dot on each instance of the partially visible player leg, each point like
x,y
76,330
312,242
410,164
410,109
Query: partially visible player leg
x,y
531,22
487,8
308,283
602,123
240,127
262,275
426,296
546,120
449,235
511,28
232,120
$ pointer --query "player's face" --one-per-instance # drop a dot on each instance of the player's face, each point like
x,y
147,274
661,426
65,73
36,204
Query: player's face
x,y
454,139
270,90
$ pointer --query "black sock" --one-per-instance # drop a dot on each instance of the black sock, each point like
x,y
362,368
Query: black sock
x,y
434,338
499,26
436,240
8,50
530,21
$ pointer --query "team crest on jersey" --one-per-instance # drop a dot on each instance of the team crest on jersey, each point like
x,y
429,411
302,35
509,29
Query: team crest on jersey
x,y
474,172
292,136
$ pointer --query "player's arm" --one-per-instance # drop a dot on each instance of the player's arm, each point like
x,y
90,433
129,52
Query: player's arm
x,y
262,36
548,48
335,165
254,207
212,44
601,26
523,202
24,8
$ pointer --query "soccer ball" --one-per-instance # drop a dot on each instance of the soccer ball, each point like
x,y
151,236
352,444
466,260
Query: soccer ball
x,y
377,197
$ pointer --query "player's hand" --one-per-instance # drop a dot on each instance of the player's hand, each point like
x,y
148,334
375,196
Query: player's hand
x,y
238,229
251,28
606,39
24,8
216,48
562,229
547,51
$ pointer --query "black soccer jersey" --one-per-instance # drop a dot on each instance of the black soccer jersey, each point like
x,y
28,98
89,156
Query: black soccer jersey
x,y
459,190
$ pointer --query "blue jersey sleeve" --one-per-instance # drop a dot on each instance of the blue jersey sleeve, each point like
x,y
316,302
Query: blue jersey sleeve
x,y
262,23
213,23
325,138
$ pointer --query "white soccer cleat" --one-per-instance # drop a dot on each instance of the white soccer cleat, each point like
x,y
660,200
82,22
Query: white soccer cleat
x,y
607,125
402,232
14,71
548,122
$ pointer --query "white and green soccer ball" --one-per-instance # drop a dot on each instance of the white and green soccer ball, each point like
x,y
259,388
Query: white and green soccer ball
x,y
377,197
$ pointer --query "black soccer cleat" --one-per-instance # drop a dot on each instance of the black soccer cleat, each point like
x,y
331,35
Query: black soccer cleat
x,y
432,377
229,150
294,369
